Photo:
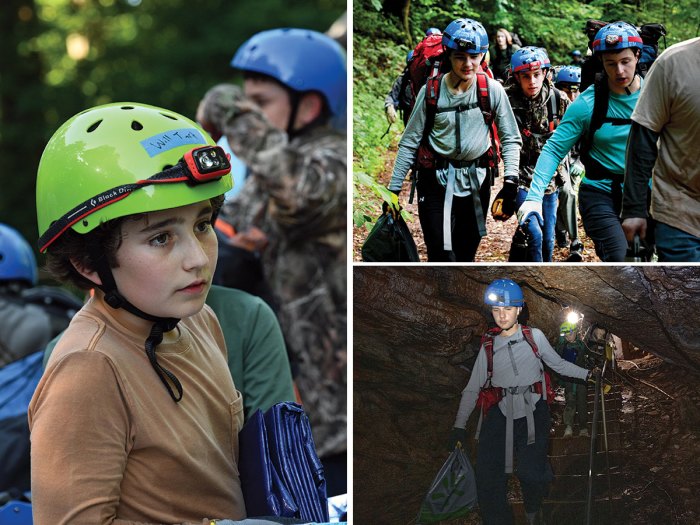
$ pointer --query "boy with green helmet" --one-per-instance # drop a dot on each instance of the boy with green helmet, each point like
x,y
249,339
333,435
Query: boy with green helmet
x,y
126,194
572,349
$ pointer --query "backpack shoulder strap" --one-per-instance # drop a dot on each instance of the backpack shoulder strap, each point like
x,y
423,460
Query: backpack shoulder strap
x,y
405,81
482,95
601,100
432,94
527,334
487,343
553,116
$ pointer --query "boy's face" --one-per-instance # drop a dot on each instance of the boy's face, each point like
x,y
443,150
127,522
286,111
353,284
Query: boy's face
x,y
531,82
272,98
570,336
620,67
571,91
506,317
167,259
464,65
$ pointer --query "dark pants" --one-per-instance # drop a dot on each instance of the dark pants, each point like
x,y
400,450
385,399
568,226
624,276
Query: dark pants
x,y
464,225
600,214
532,467
674,245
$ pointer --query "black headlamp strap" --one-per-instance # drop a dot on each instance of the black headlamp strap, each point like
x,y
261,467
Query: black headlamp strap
x,y
160,324
165,375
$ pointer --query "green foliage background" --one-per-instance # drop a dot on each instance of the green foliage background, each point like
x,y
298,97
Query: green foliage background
x,y
161,52
385,30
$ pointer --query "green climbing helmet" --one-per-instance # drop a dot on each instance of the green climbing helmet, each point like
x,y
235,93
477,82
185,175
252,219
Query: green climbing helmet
x,y
567,327
95,168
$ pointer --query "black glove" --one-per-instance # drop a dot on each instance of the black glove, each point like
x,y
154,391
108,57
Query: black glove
x,y
503,206
458,435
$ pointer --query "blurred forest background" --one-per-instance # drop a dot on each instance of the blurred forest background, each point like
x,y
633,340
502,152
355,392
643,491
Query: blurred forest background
x,y
384,31
59,57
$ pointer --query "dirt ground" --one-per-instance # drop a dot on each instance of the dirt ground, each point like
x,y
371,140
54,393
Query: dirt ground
x,y
493,248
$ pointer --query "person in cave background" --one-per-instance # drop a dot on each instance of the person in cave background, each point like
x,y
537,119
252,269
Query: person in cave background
x,y
522,423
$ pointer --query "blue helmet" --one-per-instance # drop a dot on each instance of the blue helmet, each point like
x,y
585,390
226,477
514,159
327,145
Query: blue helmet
x,y
433,31
300,59
503,292
569,75
465,34
576,53
409,56
546,64
17,261
526,59
616,36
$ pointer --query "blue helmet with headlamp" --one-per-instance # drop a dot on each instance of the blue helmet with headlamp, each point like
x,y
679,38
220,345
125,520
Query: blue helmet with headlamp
x,y
504,292
526,59
615,37
300,59
465,34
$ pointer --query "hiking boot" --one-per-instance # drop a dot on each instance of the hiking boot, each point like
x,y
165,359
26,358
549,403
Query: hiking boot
x,y
575,252
561,238
583,432
568,431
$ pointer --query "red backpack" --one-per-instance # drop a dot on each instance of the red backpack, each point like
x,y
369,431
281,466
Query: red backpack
x,y
425,55
491,395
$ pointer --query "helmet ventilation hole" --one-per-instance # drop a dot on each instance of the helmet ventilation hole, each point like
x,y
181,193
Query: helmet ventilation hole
x,y
136,126
85,223
169,116
94,126
127,107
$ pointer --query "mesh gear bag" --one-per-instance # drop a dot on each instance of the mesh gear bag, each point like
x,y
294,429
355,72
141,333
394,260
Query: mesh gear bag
x,y
453,491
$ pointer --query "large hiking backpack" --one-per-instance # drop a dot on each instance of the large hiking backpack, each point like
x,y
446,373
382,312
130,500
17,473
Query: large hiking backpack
x,y
425,55
651,34
491,395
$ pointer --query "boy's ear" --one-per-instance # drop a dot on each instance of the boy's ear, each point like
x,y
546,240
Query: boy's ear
x,y
89,274
310,107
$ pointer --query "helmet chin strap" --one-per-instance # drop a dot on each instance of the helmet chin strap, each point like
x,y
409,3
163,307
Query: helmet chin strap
x,y
160,325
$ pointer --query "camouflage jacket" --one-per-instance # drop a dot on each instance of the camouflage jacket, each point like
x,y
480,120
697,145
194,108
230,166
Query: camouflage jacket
x,y
296,194
533,122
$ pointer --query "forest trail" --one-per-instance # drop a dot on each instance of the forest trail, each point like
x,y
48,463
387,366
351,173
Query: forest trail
x,y
494,247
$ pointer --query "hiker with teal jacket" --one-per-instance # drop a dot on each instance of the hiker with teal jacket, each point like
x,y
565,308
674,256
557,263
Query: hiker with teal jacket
x,y
572,349
600,119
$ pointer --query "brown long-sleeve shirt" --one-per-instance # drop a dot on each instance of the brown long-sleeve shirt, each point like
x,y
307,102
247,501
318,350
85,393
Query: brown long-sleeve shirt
x,y
110,446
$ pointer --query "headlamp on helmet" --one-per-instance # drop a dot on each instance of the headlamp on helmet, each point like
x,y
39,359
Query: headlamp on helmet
x,y
207,163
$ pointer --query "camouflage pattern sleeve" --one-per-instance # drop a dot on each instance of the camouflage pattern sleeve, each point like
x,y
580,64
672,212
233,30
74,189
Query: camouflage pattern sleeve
x,y
297,194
